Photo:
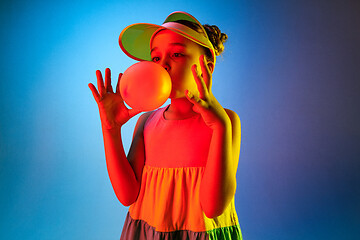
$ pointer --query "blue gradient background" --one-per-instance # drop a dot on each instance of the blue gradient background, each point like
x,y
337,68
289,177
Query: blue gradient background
x,y
290,70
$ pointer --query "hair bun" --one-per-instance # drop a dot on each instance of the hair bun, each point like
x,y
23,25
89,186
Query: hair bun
x,y
216,37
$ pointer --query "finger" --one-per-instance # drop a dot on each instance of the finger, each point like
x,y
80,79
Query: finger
x,y
118,84
100,83
197,101
108,86
199,82
94,92
206,73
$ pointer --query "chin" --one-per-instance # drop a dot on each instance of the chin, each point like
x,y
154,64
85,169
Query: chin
x,y
176,94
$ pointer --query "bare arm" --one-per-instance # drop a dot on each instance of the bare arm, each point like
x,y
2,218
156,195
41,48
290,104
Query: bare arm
x,y
218,185
219,179
124,172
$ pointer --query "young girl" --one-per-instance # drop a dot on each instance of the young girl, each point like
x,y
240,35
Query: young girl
x,y
179,177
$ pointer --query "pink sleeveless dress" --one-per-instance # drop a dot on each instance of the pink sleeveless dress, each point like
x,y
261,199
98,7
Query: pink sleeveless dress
x,y
168,205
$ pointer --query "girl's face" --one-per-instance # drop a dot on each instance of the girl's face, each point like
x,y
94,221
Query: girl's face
x,y
176,54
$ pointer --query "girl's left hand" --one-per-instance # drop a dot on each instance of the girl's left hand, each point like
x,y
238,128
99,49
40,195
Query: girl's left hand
x,y
204,102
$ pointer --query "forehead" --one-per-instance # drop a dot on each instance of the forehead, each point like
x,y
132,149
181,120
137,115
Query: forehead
x,y
166,37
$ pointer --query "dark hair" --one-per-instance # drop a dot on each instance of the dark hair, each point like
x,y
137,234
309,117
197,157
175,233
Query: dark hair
x,y
216,37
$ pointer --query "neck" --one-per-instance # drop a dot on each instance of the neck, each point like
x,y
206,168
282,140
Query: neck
x,y
180,108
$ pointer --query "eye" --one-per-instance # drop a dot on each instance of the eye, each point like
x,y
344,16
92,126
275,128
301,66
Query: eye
x,y
155,59
177,54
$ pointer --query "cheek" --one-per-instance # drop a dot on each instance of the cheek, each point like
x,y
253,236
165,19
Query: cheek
x,y
183,78
181,75
191,83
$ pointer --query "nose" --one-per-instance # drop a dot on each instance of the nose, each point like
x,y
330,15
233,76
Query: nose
x,y
165,64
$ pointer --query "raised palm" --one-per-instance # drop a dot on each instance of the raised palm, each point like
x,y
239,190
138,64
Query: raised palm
x,y
113,112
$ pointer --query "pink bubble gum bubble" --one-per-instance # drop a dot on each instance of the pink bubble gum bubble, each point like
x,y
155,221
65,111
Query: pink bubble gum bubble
x,y
145,86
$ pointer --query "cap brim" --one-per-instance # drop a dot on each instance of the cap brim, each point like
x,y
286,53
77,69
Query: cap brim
x,y
135,40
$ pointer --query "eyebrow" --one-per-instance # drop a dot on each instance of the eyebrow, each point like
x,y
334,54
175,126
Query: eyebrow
x,y
172,44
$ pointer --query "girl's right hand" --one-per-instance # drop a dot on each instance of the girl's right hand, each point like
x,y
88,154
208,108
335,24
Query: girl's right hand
x,y
113,112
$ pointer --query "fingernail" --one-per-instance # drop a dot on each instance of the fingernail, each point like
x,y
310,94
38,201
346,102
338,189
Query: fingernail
x,y
190,95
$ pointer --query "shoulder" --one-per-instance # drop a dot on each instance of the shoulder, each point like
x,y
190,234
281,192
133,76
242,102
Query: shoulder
x,y
139,128
236,129
234,118
144,117
148,116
